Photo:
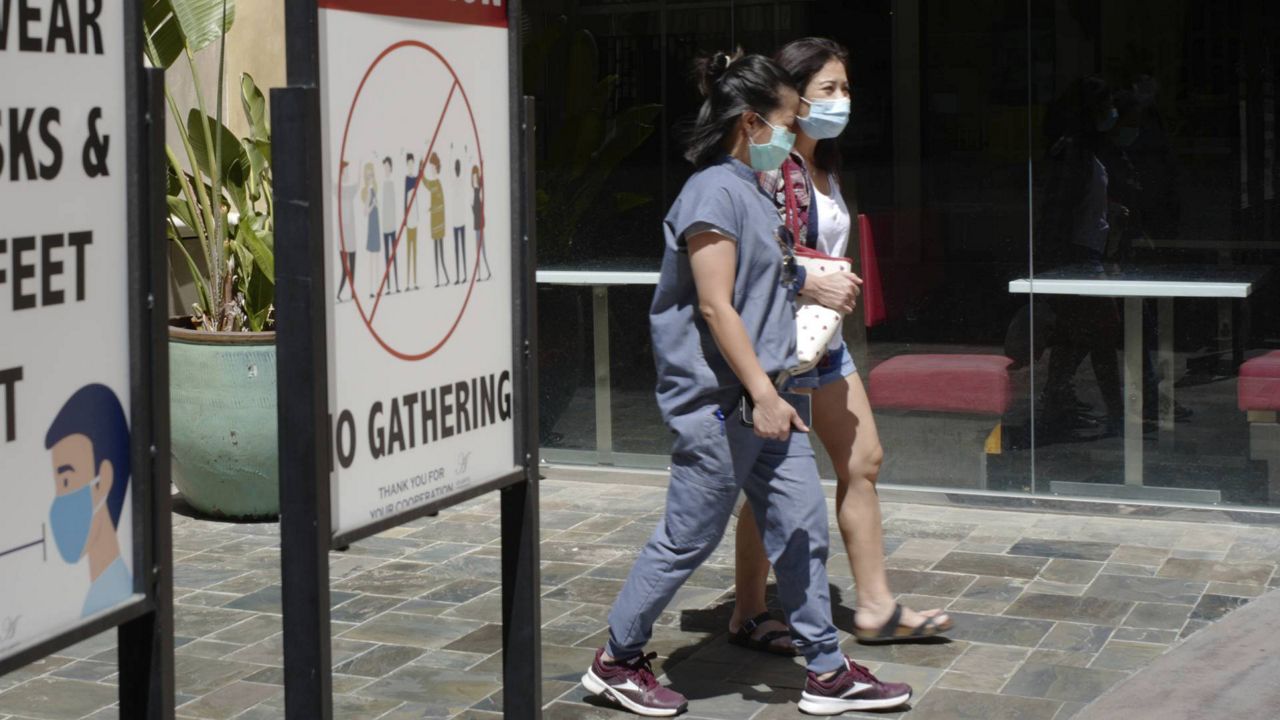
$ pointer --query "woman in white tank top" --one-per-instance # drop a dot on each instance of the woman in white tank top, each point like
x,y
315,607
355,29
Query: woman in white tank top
x,y
841,411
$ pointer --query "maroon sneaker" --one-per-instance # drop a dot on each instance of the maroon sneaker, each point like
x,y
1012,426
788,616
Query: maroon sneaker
x,y
631,684
853,688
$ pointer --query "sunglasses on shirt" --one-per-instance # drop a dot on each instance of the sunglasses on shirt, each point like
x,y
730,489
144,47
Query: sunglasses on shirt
x,y
787,243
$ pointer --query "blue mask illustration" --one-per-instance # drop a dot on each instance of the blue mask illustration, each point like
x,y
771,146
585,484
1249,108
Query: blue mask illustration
x,y
69,519
827,118
770,155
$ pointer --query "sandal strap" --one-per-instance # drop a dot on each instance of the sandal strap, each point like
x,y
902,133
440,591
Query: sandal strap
x,y
749,626
930,626
773,636
895,620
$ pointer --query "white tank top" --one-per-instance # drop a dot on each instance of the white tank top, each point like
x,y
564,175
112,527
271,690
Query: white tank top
x,y
834,223
834,226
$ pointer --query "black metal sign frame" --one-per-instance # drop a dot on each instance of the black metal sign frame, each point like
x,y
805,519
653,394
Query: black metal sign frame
x,y
306,455
145,624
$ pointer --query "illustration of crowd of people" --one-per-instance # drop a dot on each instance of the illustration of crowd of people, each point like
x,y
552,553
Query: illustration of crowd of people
x,y
382,218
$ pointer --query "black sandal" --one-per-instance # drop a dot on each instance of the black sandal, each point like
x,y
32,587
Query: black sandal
x,y
894,631
764,643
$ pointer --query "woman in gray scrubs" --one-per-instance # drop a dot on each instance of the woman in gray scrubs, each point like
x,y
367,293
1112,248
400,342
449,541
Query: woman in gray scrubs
x,y
723,328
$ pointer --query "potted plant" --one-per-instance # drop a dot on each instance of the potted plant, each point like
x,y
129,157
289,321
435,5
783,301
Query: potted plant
x,y
222,352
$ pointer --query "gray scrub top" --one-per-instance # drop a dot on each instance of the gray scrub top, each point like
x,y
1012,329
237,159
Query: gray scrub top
x,y
692,373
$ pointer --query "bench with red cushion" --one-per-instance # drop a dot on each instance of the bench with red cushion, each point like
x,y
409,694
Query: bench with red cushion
x,y
1259,395
1259,388
956,401
973,384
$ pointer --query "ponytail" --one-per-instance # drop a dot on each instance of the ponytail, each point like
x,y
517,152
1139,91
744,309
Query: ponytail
x,y
730,86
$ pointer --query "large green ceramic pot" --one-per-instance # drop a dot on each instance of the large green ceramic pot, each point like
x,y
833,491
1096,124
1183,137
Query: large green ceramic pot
x,y
222,390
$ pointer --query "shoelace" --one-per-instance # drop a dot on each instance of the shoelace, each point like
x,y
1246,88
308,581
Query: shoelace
x,y
861,671
643,667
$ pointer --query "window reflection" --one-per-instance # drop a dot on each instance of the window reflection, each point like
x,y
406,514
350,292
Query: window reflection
x,y
1018,179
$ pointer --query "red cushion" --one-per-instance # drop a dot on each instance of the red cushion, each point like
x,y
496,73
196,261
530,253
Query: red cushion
x,y
943,383
1260,383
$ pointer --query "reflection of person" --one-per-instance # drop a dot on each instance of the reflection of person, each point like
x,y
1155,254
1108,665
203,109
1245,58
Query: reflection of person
x,y
1075,227
413,173
1130,195
390,224
723,324
435,191
841,411
88,442
477,209
459,214
349,189
369,199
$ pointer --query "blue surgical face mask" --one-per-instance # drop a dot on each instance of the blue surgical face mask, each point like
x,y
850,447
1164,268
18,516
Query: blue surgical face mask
x,y
1109,122
770,155
1125,136
826,119
69,519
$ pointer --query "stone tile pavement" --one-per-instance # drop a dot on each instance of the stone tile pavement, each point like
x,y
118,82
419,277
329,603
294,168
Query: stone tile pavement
x,y
1051,611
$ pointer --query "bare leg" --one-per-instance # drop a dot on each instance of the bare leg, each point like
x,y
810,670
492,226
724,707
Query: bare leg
x,y
751,576
844,423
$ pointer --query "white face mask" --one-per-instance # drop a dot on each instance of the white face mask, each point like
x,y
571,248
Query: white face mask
x,y
826,118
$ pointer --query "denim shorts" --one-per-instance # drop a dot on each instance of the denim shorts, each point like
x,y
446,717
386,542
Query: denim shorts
x,y
836,364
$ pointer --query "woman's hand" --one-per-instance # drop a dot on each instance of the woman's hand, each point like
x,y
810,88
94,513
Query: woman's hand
x,y
773,418
838,291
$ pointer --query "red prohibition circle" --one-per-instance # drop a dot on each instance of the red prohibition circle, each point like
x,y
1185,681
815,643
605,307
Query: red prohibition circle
x,y
367,315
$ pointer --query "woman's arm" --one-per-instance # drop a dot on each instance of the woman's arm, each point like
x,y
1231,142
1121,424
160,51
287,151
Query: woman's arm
x,y
713,258
838,291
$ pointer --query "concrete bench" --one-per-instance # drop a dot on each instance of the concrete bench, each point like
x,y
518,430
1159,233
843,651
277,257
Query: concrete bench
x,y
940,416
1259,396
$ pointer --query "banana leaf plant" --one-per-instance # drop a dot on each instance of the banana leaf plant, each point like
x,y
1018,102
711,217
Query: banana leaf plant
x,y
219,190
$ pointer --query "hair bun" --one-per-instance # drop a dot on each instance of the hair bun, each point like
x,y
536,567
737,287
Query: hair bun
x,y
708,69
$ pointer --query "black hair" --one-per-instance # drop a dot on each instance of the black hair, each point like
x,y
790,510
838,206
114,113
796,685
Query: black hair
x,y
95,412
387,161
802,59
409,158
731,85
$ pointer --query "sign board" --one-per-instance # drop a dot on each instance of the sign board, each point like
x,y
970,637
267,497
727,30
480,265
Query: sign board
x,y
67,522
416,147
405,304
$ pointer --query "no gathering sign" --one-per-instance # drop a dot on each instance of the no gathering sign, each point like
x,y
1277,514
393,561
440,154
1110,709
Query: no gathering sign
x,y
417,143
66,520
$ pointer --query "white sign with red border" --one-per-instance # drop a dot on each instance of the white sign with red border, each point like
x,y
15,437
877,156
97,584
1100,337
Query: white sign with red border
x,y
416,127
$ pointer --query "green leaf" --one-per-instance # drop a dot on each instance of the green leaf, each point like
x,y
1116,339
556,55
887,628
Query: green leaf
x,y
625,201
258,293
234,165
165,41
182,210
203,21
260,247
232,152
255,109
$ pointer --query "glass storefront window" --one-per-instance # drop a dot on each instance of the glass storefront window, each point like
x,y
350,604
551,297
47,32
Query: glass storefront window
x,y
1067,228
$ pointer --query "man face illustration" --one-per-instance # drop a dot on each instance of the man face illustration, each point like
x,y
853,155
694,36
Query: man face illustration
x,y
73,467
75,473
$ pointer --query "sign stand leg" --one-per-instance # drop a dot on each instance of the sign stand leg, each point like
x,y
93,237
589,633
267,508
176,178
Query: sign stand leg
x,y
303,406
521,603
521,556
145,645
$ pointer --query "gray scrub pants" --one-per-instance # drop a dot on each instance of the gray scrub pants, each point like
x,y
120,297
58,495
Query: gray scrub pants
x,y
714,456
